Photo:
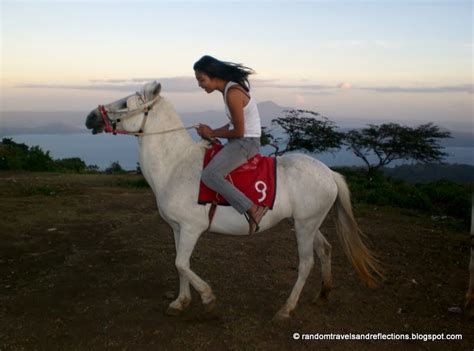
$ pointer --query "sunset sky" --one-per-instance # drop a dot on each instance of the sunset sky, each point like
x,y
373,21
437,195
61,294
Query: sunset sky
x,y
354,59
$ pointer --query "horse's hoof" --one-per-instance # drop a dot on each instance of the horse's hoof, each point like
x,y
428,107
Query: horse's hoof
x,y
322,299
210,307
469,309
281,317
171,311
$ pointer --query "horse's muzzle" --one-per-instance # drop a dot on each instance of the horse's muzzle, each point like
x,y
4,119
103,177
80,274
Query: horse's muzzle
x,y
95,122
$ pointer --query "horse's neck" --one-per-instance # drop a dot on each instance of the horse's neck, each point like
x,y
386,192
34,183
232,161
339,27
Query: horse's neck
x,y
161,153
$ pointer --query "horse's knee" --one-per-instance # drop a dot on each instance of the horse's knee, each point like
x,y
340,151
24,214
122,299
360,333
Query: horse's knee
x,y
306,264
182,267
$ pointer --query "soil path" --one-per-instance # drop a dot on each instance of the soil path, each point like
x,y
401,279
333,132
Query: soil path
x,y
86,263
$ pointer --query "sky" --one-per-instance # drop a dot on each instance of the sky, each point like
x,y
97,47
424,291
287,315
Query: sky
x,y
404,60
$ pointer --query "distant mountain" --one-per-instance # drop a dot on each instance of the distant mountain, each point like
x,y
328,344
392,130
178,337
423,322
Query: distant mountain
x,y
42,122
50,128
460,139
424,173
268,110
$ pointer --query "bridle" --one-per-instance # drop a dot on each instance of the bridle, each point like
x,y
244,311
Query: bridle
x,y
111,123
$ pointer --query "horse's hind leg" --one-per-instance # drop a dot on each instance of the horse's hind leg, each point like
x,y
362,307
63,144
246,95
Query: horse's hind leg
x,y
323,250
305,230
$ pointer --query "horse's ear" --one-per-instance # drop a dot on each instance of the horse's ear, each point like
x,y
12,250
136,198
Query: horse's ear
x,y
156,88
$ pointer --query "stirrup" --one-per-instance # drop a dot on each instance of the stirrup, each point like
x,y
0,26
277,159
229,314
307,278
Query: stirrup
x,y
253,223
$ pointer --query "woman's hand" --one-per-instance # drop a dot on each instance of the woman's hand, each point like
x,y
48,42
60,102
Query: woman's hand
x,y
205,131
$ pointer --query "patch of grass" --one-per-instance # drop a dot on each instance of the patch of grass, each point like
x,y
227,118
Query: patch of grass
x,y
45,190
415,216
133,183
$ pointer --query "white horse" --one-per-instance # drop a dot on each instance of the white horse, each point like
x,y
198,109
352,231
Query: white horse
x,y
172,162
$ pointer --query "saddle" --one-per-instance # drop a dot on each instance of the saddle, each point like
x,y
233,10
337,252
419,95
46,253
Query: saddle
x,y
256,179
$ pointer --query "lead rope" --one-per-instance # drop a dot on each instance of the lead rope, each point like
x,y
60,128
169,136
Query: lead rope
x,y
140,132
167,131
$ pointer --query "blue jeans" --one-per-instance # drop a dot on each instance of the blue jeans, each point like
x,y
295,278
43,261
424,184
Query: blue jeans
x,y
234,154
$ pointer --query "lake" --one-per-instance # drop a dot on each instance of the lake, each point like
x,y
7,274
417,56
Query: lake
x,y
103,149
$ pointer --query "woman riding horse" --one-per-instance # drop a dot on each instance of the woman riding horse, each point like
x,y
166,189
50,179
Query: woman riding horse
x,y
243,139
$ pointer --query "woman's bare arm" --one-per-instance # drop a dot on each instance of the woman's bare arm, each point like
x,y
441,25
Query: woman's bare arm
x,y
236,100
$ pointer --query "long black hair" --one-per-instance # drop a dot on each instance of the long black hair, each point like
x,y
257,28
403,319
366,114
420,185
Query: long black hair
x,y
229,71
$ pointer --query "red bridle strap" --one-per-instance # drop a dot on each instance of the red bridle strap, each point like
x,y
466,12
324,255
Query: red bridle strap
x,y
108,127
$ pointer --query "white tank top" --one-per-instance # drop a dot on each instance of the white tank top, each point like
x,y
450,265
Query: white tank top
x,y
252,126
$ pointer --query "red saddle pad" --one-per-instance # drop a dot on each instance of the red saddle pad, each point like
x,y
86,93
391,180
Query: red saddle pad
x,y
256,179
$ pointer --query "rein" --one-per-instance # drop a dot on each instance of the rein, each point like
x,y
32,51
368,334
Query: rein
x,y
111,124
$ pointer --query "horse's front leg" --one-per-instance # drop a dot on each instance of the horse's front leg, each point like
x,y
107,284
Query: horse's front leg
x,y
184,297
188,238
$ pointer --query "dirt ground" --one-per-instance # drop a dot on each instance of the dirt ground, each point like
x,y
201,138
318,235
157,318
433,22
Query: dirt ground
x,y
88,264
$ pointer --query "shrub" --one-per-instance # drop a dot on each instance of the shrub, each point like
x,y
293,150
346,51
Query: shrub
x,y
440,198
73,165
115,168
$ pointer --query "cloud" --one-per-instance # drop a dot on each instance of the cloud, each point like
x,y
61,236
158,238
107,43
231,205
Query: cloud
x,y
345,86
173,84
263,82
125,87
169,84
306,89
189,85
300,99
272,84
318,93
468,88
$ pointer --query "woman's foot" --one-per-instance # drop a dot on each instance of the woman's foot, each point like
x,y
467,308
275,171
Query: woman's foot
x,y
255,215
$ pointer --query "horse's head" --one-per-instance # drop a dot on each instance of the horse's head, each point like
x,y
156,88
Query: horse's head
x,y
126,114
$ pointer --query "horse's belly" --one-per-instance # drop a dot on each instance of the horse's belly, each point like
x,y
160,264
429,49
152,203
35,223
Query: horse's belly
x,y
228,221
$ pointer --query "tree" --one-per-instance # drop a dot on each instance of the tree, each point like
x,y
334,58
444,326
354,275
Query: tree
x,y
73,164
38,161
306,130
92,169
115,168
268,139
15,156
391,141
12,155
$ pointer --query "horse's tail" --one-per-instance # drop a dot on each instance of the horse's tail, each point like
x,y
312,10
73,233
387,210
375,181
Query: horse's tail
x,y
365,263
